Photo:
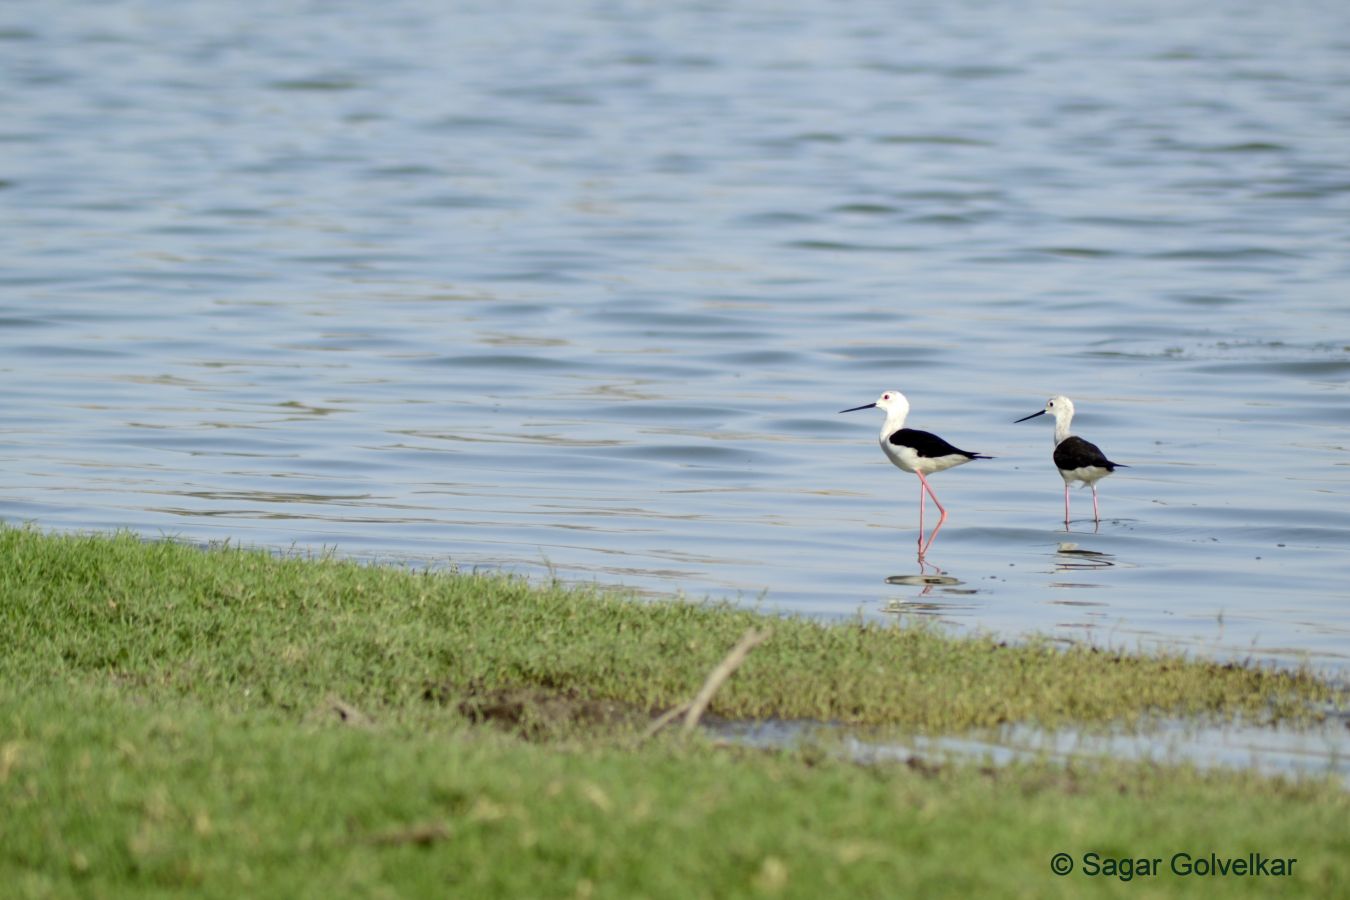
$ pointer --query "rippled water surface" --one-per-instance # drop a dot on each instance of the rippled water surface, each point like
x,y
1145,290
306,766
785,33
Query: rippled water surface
x,y
581,288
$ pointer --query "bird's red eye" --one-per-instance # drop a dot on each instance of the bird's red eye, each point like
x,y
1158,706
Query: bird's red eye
x,y
885,396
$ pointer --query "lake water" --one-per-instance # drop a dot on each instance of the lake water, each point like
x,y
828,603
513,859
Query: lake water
x,y
579,289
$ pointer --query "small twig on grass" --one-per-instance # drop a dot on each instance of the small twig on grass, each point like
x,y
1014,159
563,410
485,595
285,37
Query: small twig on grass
x,y
693,710
749,641
666,718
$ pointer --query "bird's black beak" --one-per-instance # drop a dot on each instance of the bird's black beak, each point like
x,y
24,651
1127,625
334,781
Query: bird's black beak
x,y
856,408
1032,416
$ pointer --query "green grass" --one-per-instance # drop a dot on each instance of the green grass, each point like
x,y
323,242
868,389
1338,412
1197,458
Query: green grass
x,y
108,796
167,728
242,629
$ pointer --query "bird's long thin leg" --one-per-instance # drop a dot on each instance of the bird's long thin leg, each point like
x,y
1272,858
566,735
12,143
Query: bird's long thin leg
x,y
1066,504
942,517
920,520
1095,516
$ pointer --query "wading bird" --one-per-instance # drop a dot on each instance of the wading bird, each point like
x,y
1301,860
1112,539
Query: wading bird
x,y
916,451
1076,459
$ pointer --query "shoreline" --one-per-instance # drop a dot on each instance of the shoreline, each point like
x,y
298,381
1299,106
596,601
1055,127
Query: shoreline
x,y
225,720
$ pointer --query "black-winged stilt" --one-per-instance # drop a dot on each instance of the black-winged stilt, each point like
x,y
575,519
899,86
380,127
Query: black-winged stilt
x,y
1076,459
916,451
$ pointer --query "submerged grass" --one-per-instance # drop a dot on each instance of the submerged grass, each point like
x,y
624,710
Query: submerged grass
x,y
227,723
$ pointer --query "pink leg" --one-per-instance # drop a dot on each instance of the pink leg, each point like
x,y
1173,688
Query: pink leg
x,y
942,517
921,520
1095,516
1066,503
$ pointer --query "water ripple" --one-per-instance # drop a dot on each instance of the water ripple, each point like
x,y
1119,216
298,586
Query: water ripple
x,y
584,299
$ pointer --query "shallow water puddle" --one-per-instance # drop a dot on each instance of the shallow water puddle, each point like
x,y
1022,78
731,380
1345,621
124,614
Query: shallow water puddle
x,y
1279,750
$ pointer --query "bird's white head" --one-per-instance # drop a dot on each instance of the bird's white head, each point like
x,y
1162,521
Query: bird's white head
x,y
893,403
1061,408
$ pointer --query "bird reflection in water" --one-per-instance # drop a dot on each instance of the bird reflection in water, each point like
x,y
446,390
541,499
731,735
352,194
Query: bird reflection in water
x,y
1069,557
928,577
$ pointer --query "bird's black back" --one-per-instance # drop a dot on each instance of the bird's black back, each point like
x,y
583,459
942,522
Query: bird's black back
x,y
927,445
1075,453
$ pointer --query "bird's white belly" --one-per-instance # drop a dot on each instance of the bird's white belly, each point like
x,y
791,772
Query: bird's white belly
x,y
905,458
1085,474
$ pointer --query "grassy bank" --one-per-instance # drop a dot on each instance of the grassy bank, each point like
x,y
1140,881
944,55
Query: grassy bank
x,y
240,630
228,723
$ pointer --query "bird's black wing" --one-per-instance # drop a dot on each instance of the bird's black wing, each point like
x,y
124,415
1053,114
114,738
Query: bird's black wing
x,y
927,445
1075,453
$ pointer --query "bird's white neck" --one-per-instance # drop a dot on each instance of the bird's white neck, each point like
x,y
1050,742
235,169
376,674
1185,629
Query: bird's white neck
x,y
1062,427
895,420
